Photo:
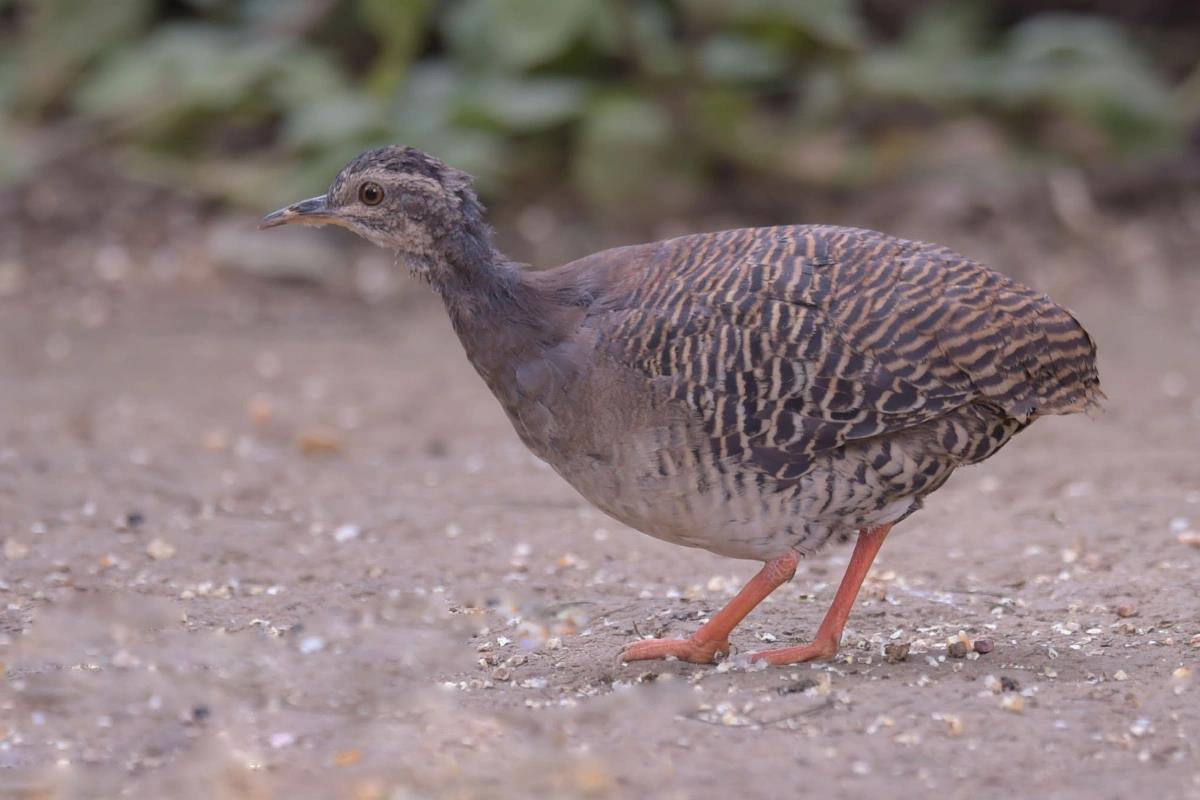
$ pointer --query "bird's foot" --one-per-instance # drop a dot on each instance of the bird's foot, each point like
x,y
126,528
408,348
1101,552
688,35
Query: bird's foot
x,y
690,650
821,649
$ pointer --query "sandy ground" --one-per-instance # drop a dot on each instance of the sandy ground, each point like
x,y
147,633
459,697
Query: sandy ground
x,y
270,541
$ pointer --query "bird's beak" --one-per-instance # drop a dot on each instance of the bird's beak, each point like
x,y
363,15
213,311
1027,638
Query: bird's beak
x,y
313,211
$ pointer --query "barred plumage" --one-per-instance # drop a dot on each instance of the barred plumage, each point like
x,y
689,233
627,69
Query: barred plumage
x,y
754,392
830,374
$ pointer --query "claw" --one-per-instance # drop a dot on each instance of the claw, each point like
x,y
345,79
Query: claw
x,y
820,650
689,650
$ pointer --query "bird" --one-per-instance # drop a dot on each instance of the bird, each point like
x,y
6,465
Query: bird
x,y
758,393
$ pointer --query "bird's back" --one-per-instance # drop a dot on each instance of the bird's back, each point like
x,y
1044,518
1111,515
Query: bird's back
x,y
840,367
913,326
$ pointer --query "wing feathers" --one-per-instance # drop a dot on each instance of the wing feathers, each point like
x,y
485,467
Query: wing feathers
x,y
791,341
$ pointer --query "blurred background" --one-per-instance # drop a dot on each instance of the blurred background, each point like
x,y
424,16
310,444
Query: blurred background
x,y
589,123
263,532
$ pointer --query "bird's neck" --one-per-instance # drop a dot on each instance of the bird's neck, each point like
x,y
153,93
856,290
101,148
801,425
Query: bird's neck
x,y
501,316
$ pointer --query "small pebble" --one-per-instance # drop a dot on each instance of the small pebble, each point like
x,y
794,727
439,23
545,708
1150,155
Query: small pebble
x,y
281,740
984,646
1120,675
12,278
160,549
1125,612
346,758
1008,684
795,687
957,650
1014,703
590,780
311,644
260,410
346,533
216,441
1174,384
895,653
14,550
319,442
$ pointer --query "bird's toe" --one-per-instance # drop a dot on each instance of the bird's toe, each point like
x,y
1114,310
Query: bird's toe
x,y
690,650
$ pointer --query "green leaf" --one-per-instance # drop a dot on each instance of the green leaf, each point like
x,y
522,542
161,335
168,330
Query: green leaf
x,y
526,33
525,105
624,148
1085,66
740,59
303,75
466,27
834,23
333,120
518,35
1063,66
267,17
400,26
64,36
426,117
948,31
936,62
179,68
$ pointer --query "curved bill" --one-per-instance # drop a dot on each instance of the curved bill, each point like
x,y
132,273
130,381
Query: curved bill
x,y
313,211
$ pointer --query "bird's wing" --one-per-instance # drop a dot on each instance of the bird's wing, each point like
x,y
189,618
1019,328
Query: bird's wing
x,y
790,341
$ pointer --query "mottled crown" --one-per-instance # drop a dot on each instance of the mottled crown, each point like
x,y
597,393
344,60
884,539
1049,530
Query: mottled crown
x,y
405,160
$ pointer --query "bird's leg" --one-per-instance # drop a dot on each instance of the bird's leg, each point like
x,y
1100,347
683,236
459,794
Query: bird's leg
x,y
825,644
713,637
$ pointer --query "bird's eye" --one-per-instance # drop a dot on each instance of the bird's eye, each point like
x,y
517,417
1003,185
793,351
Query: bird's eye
x,y
370,194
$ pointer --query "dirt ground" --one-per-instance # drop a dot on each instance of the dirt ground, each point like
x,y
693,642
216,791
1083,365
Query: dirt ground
x,y
263,540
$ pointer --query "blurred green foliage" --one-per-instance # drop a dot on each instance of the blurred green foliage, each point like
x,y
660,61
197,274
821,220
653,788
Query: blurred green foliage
x,y
264,99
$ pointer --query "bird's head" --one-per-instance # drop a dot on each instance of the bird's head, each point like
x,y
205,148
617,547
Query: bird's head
x,y
405,200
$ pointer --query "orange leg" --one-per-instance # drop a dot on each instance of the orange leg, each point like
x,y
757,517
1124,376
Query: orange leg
x,y
825,644
713,636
